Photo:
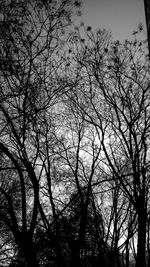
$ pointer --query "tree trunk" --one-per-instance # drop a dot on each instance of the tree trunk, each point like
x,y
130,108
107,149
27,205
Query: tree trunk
x,y
60,258
30,256
27,255
31,259
127,254
141,246
75,254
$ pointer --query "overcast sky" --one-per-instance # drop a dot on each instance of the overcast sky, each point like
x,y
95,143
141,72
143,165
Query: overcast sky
x,y
121,17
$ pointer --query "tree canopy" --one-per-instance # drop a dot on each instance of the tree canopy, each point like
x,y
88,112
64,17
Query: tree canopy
x,y
74,140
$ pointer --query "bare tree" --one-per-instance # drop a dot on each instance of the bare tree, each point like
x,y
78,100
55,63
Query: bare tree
x,y
72,161
114,96
31,68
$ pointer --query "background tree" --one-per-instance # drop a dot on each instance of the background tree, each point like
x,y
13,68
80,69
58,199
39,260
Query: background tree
x,y
72,162
114,98
32,34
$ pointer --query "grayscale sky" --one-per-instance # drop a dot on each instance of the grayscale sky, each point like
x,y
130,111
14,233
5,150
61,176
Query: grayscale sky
x,y
121,17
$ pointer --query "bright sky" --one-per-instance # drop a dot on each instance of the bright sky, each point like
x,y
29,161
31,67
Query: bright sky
x,y
121,17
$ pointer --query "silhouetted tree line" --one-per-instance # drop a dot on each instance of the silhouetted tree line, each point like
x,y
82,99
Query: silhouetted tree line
x,y
74,141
